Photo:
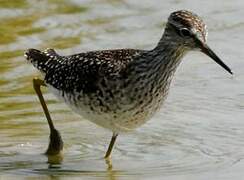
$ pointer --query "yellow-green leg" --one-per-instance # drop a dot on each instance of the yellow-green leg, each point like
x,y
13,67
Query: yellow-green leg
x,y
55,144
111,145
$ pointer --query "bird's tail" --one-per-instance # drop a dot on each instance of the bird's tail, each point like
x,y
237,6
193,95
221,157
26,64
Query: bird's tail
x,y
40,59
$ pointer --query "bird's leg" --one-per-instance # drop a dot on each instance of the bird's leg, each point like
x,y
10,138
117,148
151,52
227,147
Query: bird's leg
x,y
55,144
110,147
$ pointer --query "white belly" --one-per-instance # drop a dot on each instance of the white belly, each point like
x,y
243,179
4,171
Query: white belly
x,y
119,121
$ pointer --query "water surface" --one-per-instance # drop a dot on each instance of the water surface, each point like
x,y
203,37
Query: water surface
x,y
199,132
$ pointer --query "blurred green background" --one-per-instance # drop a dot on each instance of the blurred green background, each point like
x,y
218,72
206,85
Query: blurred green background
x,y
197,135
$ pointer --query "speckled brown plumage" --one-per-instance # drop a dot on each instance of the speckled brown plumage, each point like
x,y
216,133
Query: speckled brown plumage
x,y
121,89
191,21
80,72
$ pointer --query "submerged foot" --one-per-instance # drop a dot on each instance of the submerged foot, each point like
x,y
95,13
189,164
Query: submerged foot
x,y
55,147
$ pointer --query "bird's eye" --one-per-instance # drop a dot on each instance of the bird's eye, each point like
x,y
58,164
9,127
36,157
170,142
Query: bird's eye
x,y
185,32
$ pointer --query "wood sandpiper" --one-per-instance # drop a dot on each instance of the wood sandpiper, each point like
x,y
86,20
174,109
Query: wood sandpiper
x,y
119,89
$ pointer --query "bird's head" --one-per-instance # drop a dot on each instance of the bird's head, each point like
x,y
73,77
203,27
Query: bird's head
x,y
187,30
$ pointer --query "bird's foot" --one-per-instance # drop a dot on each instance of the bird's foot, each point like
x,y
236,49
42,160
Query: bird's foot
x,y
55,147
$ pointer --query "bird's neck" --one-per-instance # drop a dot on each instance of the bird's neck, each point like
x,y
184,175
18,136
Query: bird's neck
x,y
166,57
157,67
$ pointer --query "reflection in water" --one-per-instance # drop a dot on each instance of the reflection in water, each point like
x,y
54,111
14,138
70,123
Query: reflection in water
x,y
56,171
198,133
112,174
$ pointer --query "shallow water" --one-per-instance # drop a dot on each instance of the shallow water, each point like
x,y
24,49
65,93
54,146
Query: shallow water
x,y
199,132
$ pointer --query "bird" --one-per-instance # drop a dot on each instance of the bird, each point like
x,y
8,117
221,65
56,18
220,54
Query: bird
x,y
119,89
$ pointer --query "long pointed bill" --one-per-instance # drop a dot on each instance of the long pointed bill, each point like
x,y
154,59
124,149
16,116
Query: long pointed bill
x,y
205,49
